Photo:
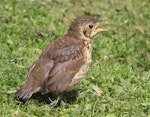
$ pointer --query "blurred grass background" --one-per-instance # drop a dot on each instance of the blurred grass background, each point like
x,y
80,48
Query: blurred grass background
x,y
121,56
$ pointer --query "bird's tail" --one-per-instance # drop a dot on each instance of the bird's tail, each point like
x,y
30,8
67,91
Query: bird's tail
x,y
24,93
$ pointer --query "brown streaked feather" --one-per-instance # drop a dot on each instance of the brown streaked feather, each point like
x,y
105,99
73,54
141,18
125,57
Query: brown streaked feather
x,y
59,44
67,63
61,76
68,53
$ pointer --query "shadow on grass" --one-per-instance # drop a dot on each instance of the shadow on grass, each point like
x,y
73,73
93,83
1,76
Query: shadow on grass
x,y
67,97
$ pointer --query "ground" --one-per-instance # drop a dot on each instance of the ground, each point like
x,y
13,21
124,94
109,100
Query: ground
x,y
121,56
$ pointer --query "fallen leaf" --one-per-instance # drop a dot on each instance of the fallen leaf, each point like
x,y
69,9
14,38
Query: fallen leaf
x,y
139,28
98,90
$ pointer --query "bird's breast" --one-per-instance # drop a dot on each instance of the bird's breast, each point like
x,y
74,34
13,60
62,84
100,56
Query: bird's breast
x,y
87,55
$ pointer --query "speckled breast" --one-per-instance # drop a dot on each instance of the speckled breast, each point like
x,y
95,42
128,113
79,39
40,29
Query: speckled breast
x,y
87,53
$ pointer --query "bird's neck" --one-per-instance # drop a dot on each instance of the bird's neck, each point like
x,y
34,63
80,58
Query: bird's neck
x,y
77,35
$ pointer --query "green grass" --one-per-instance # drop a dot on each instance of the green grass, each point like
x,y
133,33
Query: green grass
x,y
124,78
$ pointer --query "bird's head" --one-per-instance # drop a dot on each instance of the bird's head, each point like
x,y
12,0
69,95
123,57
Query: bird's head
x,y
84,27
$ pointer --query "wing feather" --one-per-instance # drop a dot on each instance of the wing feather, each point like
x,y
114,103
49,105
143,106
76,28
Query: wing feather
x,y
68,62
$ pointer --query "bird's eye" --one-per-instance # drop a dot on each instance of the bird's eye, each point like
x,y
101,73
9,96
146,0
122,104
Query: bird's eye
x,y
90,26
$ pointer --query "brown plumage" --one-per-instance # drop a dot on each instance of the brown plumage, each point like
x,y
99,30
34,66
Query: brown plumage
x,y
64,62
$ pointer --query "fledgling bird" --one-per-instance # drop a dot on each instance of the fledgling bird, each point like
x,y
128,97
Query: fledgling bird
x,y
64,62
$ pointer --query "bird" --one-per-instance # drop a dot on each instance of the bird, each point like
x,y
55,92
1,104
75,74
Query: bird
x,y
64,62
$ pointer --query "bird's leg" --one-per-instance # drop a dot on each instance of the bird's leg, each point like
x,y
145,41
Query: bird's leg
x,y
62,102
59,99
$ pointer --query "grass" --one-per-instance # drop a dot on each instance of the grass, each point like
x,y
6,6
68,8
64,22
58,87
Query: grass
x,y
121,56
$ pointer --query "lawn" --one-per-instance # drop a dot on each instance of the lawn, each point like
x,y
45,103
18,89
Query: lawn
x,y
121,56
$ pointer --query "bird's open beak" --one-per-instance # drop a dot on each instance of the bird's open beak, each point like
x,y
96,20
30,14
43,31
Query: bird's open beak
x,y
97,30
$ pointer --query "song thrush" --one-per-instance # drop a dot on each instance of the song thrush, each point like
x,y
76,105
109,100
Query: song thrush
x,y
64,62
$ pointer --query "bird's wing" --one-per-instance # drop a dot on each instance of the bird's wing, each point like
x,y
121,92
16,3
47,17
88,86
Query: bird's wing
x,y
54,69
40,70
52,54
67,62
